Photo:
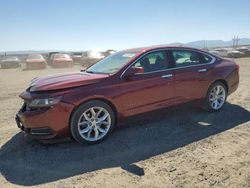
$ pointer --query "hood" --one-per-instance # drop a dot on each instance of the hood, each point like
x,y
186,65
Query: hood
x,y
35,60
65,80
10,60
62,59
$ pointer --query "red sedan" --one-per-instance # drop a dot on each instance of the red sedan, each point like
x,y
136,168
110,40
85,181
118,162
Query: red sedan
x,y
61,61
88,104
35,61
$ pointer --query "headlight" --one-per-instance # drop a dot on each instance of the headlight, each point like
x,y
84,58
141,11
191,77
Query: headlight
x,y
41,103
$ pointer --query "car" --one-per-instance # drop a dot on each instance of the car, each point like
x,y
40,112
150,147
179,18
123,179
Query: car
x,y
8,62
35,61
87,104
61,61
49,57
223,52
77,57
245,51
235,54
108,52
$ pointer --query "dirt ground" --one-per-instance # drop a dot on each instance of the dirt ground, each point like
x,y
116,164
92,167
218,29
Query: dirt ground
x,y
178,147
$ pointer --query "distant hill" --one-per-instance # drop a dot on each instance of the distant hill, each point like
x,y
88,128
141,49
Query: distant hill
x,y
28,52
212,43
194,44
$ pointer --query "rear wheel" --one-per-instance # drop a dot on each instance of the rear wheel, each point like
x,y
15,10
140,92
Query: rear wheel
x,y
216,97
92,122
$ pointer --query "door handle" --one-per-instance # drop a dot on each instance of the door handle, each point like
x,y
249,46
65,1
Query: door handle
x,y
202,70
167,76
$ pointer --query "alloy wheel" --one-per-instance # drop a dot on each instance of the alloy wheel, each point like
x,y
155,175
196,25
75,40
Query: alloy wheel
x,y
217,97
94,123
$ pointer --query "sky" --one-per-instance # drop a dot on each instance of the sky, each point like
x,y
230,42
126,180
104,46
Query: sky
x,y
78,25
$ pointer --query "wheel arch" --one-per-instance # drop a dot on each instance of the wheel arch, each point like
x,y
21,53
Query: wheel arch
x,y
219,80
95,99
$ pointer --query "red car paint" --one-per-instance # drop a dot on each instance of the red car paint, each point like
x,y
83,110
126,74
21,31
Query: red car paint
x,y
35,62
62,61
137,95
63,81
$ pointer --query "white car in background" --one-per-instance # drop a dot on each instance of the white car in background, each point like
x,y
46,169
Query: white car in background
x,y
222,52
245,51
235,54
9,62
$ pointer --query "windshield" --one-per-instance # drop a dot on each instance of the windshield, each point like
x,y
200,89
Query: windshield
x,y
58,56
10,59
35,56
111,63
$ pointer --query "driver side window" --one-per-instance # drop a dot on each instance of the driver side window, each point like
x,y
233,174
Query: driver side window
x,y
154,61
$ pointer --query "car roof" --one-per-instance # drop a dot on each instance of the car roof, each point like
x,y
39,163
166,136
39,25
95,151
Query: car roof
x,y
150,48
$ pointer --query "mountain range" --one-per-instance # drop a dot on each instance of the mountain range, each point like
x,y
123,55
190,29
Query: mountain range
x,y
212,43
194,44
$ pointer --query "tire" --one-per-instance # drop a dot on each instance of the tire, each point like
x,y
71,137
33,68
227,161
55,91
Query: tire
x,y
212,98
90,118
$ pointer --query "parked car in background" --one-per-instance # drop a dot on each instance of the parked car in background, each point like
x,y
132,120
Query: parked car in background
x,y
35,61
91,57
61,61
49,58
9,62
235,54
94,55
221,52
88,104
77,57
245,51
108,52
214,52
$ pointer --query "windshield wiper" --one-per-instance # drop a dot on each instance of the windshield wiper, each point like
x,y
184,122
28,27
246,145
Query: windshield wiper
x,y
86,71
89,71
92,72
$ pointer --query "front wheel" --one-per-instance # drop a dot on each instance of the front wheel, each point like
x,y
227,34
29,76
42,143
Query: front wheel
x,y
92,122
216,97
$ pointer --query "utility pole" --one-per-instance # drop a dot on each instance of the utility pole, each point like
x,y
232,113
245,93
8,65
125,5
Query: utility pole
x,y
237,41
233,41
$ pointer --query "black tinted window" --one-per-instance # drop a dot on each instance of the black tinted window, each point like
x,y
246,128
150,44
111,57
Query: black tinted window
x,y
185,58
205,58
153,62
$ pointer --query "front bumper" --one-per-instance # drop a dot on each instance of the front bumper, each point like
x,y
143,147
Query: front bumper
x,y
47,123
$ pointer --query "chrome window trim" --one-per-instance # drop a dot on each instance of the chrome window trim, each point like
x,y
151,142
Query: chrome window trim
x,y
165,49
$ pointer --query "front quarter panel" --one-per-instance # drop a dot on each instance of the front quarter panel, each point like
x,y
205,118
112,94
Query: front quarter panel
x,y
107,90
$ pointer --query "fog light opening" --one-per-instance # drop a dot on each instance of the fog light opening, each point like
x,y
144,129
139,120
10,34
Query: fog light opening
x,y
41,131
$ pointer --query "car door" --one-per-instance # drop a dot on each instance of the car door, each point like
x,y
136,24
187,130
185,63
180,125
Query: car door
x,y
151,89
191,70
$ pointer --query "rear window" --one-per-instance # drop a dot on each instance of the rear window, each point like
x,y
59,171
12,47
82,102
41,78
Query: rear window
x,y
10,59
184,58
35,56
205,58
61,56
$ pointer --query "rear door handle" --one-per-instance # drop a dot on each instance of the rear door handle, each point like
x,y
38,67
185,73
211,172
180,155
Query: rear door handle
x,y
167,76
202,70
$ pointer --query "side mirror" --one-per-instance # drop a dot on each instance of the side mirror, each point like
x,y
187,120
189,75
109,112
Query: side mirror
x,y
133,71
